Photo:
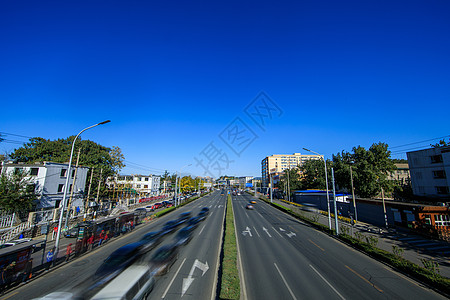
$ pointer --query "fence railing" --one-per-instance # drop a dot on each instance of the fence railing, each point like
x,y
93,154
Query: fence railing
x,y
8,235
7,220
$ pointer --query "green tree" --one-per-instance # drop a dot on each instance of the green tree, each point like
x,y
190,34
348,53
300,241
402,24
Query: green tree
x,y
313,174
187,183
17,191
441,143
370,170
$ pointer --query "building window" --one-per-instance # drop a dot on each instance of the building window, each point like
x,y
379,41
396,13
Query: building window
x,y
145,186
146,178
34,171
60,188
63,172
441,220
439,174
73,173
442,190
436,159
428,219
70,188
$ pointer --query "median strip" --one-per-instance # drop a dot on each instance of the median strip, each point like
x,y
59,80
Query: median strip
x,y
230,284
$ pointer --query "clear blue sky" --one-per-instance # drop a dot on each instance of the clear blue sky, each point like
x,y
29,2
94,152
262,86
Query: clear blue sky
x,y
175,76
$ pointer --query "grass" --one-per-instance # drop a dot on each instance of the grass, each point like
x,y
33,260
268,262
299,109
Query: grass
x,y
230,285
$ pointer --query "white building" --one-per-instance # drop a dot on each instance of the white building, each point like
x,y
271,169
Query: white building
x,y
143,184
244,180
428,169
49,179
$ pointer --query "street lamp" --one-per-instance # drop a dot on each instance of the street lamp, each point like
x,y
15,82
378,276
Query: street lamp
x,y
176,183
326,183
65,189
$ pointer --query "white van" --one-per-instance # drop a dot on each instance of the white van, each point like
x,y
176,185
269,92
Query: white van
x,y
134,283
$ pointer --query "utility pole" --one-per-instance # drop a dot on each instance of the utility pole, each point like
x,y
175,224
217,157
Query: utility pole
x,y
353,195
288,182
384,208
87,198
73,188
335,206
271,188
98,188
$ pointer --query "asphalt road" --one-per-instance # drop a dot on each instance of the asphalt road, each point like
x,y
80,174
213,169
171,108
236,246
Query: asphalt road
x,y
194,274
204,247
283,258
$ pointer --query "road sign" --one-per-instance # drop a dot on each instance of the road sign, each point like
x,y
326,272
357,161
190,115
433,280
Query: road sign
x,y
249,184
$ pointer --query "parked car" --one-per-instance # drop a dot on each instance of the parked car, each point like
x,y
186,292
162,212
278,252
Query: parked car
x,y
150,208
163,259
119,260
71,233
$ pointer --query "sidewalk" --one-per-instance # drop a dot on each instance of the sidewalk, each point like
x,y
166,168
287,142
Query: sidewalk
x,y
415,247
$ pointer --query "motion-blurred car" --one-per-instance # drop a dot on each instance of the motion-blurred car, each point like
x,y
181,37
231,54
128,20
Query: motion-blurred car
x,y
182,218
150,240
194,221
169,227
253,202
184,236
203,213
119,260
163,259
249,206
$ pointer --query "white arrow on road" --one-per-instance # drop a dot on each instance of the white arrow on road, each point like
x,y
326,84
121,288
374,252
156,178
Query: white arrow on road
x,y
247,230
267,231
291,234
188,281
281,229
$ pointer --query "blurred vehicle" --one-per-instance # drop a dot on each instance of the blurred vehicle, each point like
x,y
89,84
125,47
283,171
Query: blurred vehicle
x,y
194,221
182,218
15,242
203,213
249,206
253,202
150,240
56,296
169,227
150,208
135,282
184,236
119,260
163,259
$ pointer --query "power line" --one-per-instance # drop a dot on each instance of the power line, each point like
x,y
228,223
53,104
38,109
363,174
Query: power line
x,y
6,133
400,146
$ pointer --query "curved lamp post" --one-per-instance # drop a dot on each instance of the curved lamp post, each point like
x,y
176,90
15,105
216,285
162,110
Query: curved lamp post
x,y
326,183
58,235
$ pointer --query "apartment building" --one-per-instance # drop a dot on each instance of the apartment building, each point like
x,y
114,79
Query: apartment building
x,y
49,179
145,185
429,169
277,163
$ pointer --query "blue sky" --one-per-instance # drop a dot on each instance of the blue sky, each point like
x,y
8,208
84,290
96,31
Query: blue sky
x,y
175,77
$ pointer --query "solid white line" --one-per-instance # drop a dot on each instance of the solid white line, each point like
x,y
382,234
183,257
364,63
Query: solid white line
x,y
256,231
327,283
246,214
285,283
202,229
277,231
214,289
170,283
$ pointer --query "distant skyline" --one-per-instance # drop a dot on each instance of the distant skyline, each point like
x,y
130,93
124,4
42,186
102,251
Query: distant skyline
x,y
220,86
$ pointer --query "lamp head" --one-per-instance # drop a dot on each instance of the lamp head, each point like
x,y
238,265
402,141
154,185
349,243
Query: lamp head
x,y
104,122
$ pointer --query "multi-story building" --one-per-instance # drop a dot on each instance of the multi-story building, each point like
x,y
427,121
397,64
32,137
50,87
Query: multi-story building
x,y
429,169
142,184
401,174
277,163
243,180
49,180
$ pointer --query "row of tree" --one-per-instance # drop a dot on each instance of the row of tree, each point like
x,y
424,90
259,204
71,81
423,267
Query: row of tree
x,y
370,170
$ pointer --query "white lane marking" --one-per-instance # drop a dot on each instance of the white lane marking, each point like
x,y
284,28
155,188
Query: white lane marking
x,y
277,231
267,231
323,278
247,231
256,231
246,214
188,280
291,234
259,214
173,278
202,229
285,283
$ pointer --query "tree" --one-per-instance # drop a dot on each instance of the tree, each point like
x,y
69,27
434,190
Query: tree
x,y
370,170
187,184
17,191
441,143
313,174
294,180
92,155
